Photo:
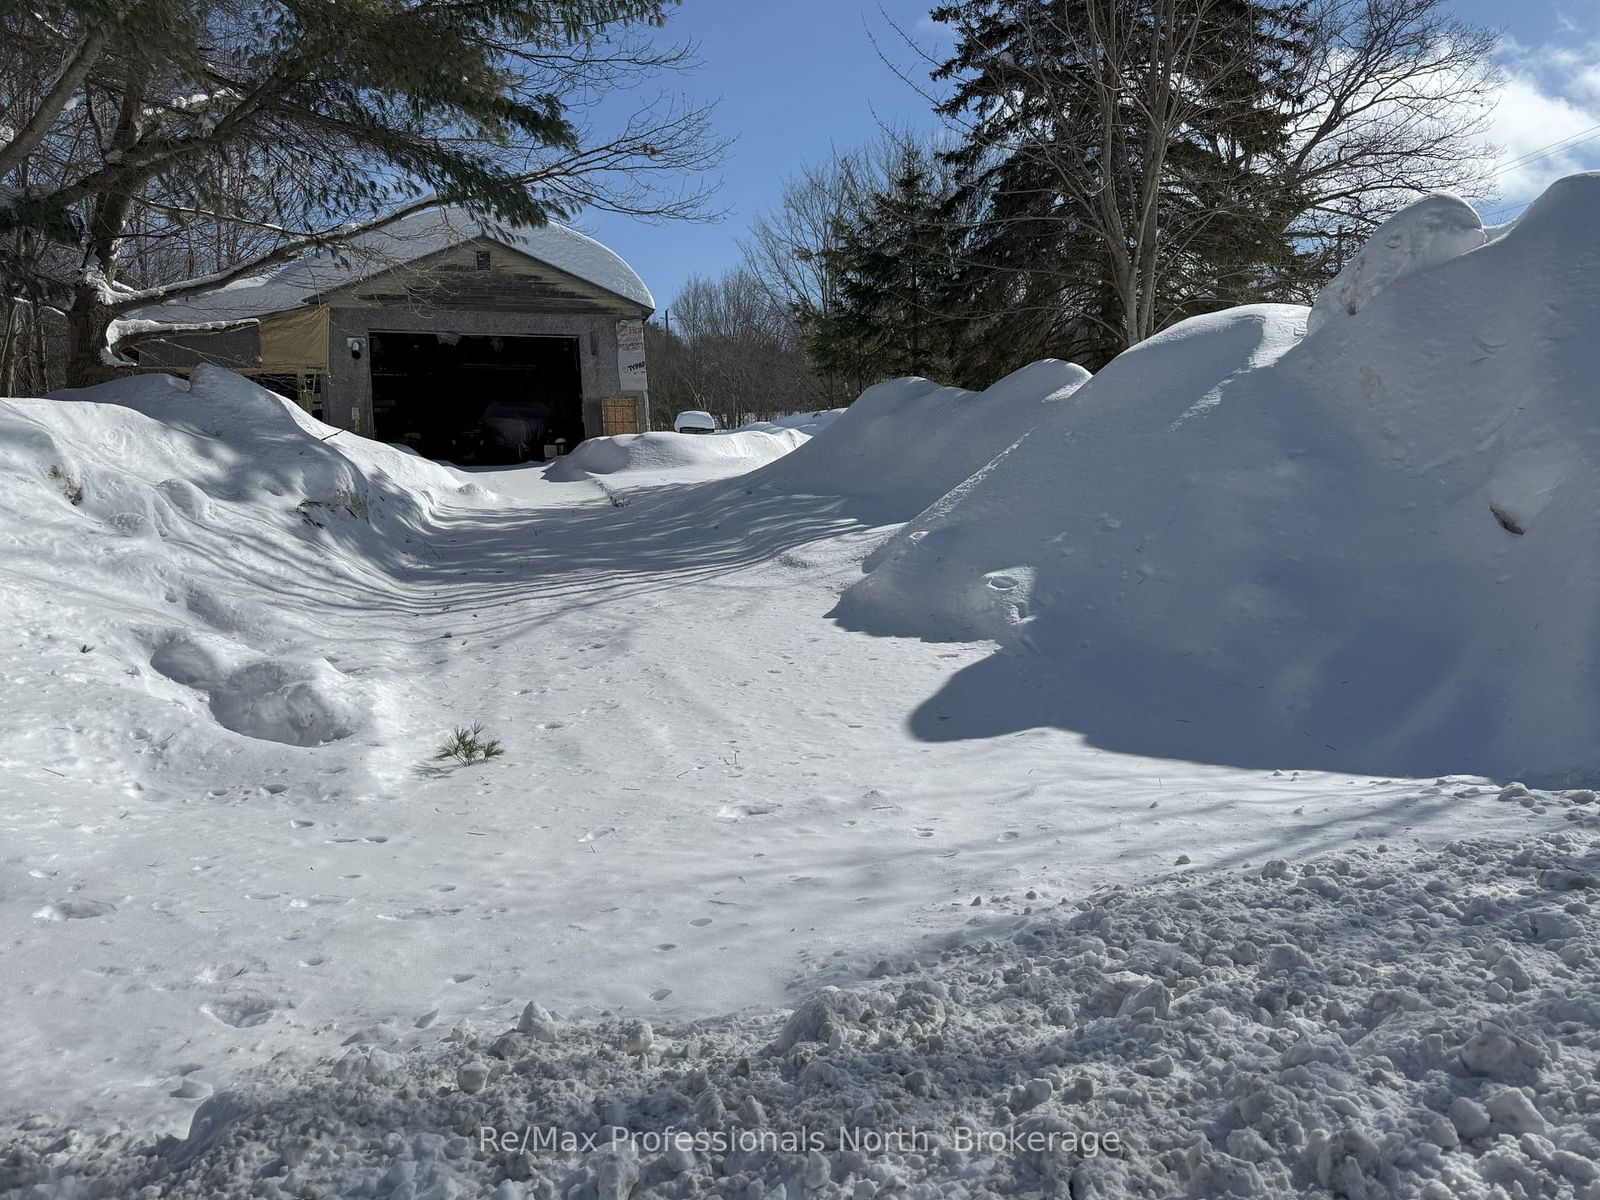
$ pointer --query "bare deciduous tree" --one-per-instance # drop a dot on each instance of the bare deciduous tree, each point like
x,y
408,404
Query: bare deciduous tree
x,y
731,351
788,249
1394,101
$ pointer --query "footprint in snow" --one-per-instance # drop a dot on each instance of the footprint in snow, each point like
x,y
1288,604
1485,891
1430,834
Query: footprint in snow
x,y
738,812
419,914
74,910
241,1012
1009,835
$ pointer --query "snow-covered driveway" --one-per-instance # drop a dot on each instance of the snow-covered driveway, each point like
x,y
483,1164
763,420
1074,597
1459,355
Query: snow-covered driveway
x,y
710,798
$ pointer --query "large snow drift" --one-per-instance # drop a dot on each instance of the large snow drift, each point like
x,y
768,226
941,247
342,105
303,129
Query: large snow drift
x,y
1371,549
236,637
906,442
1433,230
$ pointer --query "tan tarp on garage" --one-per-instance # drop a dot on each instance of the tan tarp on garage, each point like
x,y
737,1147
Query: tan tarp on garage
x,y
294,342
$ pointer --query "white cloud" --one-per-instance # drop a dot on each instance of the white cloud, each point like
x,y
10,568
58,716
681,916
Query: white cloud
x,y
1551,95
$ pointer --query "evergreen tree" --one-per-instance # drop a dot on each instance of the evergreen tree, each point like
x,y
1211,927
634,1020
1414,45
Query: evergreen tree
x,y
895,262
1118,149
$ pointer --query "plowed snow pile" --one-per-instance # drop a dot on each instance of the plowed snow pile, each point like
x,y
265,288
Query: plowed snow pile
x,y
137,506
1373,548
738,450
808,423
153,455
907,442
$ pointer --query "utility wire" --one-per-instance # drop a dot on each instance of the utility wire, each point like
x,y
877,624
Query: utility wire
x,y
1570,142
1566,143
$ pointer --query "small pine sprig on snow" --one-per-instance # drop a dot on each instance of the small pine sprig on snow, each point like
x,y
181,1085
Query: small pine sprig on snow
x,y
469,746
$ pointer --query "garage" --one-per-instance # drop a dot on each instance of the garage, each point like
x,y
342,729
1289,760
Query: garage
x,y
466,342
476,398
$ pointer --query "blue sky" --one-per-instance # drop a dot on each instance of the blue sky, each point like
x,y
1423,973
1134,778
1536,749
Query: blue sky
x,y
795,80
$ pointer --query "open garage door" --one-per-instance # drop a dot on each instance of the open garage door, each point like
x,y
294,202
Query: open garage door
x,y
470,398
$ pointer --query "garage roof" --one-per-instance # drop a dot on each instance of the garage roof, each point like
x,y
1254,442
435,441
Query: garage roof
x,y
289,285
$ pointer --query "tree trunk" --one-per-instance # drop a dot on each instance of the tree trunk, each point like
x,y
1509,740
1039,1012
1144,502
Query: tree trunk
x,y
10,345
87,323
90,317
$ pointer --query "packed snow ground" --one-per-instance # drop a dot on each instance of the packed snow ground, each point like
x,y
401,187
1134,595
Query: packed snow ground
x,y
234,639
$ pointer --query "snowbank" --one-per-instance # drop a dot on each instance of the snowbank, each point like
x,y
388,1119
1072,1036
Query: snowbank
x,y
1431,231
1373,549
179,515
809,423
906,442
1372,1023
663,451
134,444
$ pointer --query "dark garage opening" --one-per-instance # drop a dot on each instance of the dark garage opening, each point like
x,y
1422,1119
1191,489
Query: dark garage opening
x,y
470,398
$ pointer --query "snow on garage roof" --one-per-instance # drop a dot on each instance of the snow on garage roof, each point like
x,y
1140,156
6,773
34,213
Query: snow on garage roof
x,y
289,285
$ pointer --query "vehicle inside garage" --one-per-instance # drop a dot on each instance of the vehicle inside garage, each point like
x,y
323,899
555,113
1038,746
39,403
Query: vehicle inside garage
x,y
470,398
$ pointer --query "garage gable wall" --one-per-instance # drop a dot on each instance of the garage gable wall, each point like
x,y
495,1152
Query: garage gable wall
x,y
456,279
